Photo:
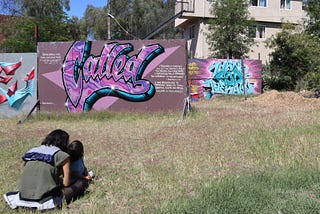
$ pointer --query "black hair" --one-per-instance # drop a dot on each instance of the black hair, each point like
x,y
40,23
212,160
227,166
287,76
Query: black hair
x,y
58,138
75,150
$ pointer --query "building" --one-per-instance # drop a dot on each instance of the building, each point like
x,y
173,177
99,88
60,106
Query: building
x,y
269,14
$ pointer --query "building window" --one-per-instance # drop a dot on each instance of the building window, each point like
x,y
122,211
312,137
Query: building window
x,y
258,3
285,4
191,32
260,32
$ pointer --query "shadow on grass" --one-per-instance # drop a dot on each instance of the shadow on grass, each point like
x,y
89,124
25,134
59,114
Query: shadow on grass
x,y
274,191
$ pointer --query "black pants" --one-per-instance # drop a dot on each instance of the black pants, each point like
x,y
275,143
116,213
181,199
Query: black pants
x,y
75,190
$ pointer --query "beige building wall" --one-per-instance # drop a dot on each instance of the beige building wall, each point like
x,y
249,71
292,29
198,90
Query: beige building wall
x,y
197,13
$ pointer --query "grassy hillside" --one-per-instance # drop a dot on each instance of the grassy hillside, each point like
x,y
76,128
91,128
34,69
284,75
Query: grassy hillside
x,y
227,155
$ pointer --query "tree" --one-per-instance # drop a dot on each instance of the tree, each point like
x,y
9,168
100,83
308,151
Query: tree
x,y
295,62
230,31
121,21
94,23
19,36
44,8
134,19
37,21
34,8
312,7
131,19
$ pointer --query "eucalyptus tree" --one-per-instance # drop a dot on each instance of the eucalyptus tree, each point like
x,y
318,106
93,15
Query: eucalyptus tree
x,y
159,12
93,24
133,19
130,19
34,8
37,21
120,15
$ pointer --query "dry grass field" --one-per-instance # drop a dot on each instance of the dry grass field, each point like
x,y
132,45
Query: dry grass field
x,y
144,162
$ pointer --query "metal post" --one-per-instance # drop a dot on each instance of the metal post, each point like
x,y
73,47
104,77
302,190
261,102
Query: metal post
x,y
36,33
109,18
244,80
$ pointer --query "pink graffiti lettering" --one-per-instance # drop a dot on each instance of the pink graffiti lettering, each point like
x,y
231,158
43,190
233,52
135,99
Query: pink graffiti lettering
x,y
113,71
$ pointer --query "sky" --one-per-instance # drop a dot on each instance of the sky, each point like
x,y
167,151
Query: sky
x,y
77,7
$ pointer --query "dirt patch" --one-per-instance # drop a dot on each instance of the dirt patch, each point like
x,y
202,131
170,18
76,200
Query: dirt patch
x,y
285,100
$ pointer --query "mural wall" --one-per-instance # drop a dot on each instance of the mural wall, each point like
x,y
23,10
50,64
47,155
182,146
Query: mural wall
x,y
207,77
18,89
144,75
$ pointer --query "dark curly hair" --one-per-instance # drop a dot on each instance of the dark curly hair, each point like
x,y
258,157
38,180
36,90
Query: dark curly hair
x,y
75,150
58,138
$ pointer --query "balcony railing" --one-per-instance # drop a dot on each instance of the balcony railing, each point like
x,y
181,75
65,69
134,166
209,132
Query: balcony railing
x,y
185,5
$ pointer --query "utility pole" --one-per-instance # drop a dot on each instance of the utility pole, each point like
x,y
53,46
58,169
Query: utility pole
x,y
109,18
36,33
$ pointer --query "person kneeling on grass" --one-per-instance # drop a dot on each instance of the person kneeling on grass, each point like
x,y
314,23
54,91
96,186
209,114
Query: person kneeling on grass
x,y
45,180
79,175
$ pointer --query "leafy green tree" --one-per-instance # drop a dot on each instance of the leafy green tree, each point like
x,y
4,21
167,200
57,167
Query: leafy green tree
x,y
168,11
312,7
20,36
94,23
37,21
134,19
294,61
138,18
74,29
34,8
158,13
131,19
44,8
230,31
121,20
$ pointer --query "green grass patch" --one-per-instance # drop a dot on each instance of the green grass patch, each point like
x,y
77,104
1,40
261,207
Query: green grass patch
x,y
274,191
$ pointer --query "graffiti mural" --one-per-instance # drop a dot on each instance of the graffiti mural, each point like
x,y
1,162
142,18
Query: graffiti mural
x,y
216,76
113,73
17,83
127,75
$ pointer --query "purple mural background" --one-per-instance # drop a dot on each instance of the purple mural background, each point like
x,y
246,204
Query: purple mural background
x,y
224,76
135,75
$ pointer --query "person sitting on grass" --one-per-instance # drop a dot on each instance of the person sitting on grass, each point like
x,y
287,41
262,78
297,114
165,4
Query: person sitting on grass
x,y
46,181
78,170
45,174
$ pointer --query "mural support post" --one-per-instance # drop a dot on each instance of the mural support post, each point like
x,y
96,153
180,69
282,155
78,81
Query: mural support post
x,y
28,115
244,80
186,104
186,108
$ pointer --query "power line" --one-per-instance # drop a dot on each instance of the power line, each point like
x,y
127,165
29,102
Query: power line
x,y
111,16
